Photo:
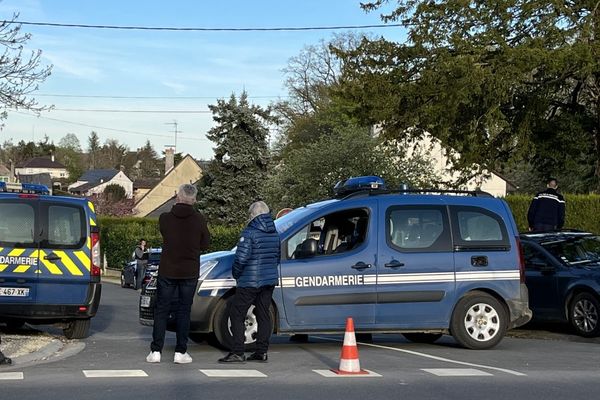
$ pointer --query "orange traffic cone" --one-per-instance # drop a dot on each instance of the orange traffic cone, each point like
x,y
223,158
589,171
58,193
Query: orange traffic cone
x,y
349,364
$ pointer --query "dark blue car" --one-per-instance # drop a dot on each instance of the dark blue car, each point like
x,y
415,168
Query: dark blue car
x,y
562,272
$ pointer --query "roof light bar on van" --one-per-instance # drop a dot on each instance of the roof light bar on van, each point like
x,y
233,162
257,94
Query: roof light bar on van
x,y
359,184
27,188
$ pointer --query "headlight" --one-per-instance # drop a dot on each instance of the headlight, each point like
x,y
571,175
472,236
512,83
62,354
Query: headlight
x,y
206,267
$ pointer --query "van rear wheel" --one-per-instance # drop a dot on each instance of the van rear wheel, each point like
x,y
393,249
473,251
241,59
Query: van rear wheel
x,y
479,321
77,329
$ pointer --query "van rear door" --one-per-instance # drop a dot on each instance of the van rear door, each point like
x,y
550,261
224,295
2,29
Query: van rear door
x,y
64,276
18,249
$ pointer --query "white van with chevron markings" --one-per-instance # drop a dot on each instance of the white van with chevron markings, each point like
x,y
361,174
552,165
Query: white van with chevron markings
x,y
49,259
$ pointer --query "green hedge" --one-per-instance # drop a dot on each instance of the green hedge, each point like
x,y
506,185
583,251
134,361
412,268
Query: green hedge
x,y
119,236
582,211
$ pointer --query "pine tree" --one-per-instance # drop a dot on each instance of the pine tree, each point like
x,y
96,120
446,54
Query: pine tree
x,y
236,176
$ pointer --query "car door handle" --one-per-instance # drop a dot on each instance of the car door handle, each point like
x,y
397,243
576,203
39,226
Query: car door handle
x,y
479,261
394,264
52,257
361,265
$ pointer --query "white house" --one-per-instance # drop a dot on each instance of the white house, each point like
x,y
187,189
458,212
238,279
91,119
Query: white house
x,y
96,180
42,165
487,181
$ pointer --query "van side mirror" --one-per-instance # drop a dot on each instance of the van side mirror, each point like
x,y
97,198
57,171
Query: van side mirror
x,y
307,249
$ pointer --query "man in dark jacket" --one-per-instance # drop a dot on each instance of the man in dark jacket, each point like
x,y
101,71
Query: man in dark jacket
x,y
547,209
141,257
255,270
185,235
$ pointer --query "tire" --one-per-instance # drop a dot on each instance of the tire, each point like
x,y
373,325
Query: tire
x,y
584,311
222,326
77,329
479,321
420,337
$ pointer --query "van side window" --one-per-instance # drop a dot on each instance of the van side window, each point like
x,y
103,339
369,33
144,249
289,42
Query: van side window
x,y
65,226
475,227
418,228
17,224
331,234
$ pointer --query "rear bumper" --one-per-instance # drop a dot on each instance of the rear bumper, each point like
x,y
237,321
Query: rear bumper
x,y
520,314
41,313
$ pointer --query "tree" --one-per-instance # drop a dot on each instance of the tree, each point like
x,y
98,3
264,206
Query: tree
x,y
112,154
68,152
235,177
114,193
309,174
93,150
20,73
148,161
494,81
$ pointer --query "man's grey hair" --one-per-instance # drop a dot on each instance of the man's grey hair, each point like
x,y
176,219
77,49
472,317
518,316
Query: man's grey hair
x,y
257,208
187,193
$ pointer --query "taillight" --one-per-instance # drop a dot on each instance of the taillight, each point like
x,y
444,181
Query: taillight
x,y
521,260
95,267
28,196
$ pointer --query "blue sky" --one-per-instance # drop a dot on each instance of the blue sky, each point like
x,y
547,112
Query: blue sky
x,y
205,65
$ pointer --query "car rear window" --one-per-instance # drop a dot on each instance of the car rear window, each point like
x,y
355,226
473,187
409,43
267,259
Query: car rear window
x,y
17,224
66,228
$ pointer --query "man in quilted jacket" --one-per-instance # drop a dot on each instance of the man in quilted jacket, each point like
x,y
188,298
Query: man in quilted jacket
x,y
256,274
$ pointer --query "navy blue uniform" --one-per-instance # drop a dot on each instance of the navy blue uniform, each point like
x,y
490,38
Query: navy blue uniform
x,y
547,211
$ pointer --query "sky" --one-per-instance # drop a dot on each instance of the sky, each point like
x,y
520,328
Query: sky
x,y
94,68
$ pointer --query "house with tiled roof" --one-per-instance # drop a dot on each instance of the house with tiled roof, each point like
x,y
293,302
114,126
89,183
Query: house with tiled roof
x,y
161,197
42,165
95,181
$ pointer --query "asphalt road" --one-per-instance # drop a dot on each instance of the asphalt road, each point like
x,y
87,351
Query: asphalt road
x,y
517,368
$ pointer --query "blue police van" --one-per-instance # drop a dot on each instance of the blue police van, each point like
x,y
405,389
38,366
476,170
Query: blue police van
x,y
49,259
419,263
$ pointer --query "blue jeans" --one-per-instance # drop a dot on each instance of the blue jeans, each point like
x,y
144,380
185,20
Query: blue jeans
x,y
169,292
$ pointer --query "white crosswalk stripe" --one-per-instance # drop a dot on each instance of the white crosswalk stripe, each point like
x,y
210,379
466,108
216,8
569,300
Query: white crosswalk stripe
x,y
114,373
7,376
456,372
233,373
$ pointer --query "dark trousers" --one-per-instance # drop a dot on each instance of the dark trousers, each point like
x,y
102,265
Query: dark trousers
x,y
140,272
242,300
167,291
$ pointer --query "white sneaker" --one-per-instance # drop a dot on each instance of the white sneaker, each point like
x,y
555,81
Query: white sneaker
x,y
182,358
153,357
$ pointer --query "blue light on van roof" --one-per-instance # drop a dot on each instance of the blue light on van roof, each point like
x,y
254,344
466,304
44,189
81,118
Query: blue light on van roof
x,y
359,183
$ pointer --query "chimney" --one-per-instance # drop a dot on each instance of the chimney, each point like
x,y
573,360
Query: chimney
x,y
169,159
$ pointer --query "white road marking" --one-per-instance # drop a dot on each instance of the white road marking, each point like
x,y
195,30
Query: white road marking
x,y
114,373
416,353
7,376
232,373
327,373
456,372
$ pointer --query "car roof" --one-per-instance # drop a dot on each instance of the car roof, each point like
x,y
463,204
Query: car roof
x,y
545,237
60,199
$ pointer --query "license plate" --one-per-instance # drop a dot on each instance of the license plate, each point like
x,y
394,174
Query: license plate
x,y
145,301
11,291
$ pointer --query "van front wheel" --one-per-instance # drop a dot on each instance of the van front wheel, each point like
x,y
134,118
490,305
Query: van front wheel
x,y
77,329
479,321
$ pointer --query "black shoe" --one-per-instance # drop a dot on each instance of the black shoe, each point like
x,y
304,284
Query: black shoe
x,y
259,357
233,358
